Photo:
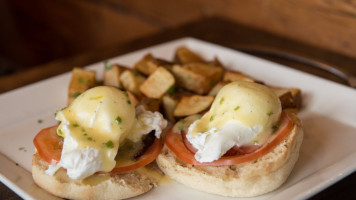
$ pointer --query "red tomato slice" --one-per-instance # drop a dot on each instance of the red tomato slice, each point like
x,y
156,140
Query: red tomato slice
x,y
176,144
49,144
49,147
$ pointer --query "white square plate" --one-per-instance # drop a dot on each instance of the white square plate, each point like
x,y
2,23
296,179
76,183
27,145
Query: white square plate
x,y
328,152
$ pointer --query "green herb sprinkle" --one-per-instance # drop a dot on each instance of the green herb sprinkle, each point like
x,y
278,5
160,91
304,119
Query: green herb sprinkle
x,y
109,144
118,120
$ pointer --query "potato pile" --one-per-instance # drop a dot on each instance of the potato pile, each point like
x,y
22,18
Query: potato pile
x,y
185,86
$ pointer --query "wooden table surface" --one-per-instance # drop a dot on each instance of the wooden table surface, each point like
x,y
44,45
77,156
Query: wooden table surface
x,y
215,30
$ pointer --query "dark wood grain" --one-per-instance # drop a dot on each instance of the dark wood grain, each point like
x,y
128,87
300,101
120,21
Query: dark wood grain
x,y
38,31
328,24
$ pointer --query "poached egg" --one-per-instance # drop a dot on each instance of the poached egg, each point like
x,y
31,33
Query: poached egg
x,y
95,125
243,113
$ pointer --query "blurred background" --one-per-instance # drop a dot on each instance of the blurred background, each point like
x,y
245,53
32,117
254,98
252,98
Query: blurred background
x,y
40,31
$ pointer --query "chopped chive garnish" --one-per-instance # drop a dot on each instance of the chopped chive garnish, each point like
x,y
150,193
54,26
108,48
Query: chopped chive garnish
x,y
109,144
90,138
222,100
275,127
236,108
255,142
75,125
213,82
85,134
80,80
128,102
60,132
107,65
118,120
135,73
270,113
211,118
76,94
125,93
23,149
172,89
39,121
181,125
131,147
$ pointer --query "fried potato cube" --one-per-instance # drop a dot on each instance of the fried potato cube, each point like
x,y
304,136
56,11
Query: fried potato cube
x,y
197,77
217,62
289,97
236,76
214,91
112,75
184,56
189,105
133,99
146,65
158,83
131,81
169,104
82,79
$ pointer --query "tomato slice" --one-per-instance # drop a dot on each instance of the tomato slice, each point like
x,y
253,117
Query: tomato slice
x,y
175,143
49,144
49,147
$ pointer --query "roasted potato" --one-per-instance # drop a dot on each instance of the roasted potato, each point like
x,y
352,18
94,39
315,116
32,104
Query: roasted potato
x,y
82,79
146,65
169,104
184,55
214,91
158,83
231,76
112,74
133,99
197,77
189,105
131,80
289,97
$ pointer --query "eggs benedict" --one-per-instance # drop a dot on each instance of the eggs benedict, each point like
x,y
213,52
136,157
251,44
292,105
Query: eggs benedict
x,y
242,114
244,146
101,137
